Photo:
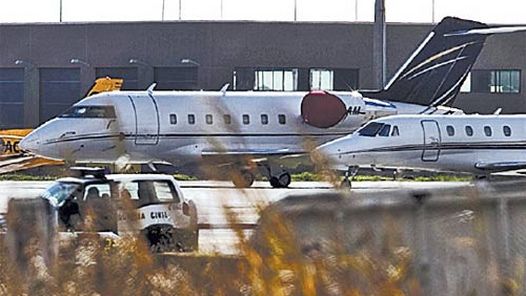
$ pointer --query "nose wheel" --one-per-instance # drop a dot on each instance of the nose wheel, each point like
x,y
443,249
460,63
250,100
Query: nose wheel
x,y
349,175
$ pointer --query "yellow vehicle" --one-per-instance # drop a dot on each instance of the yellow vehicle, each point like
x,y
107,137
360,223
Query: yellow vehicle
x,y
12,158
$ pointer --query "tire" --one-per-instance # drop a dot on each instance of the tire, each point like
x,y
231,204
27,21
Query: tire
x,y
346,184
274,182
244,179
284,180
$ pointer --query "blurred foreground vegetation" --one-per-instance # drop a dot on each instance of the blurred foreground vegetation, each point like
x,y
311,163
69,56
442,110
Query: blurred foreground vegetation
x,y
303,176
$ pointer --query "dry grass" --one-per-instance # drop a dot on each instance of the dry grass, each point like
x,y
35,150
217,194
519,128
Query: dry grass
x,y
274,263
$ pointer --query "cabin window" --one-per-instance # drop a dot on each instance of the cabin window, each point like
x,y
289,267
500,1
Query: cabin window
x,y
487,131
507,130
264,119
395,132
227,119
450,130
209,119
370,129
469,131
173,119
246,119
191,119
384,132
282,119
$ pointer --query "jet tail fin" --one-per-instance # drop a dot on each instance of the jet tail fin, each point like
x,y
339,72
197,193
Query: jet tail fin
x,y
435,72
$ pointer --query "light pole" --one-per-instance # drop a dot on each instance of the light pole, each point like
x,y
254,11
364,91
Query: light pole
x,y
379,44
60,11
180,10
162,12
295,10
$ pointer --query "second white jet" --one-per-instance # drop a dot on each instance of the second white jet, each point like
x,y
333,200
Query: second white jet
x,y
476,144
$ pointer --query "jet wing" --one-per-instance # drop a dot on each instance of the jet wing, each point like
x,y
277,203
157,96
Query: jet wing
x,y
501,166
254,155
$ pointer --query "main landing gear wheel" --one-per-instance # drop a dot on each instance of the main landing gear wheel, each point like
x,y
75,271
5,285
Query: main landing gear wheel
x,y
282,181
243,179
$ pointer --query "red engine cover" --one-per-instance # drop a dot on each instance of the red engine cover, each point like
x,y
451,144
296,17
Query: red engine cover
x,y
322,109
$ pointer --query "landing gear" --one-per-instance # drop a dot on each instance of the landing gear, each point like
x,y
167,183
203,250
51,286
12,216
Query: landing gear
x,y
281,181
277,181
349,175
243,179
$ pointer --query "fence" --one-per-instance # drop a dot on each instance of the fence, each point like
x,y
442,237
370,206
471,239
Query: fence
x,y
464,241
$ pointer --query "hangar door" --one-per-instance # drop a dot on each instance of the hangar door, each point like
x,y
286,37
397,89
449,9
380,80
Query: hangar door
x,y
59,89
11,98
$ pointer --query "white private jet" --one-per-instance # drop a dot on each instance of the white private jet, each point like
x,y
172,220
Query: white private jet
x,y
240,129
476,144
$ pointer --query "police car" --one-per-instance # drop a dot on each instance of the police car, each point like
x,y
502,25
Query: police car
x,y
151,204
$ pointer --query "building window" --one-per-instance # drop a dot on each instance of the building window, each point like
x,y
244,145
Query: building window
x,y
282,119
227,119
466,86
450,130
173,119
487,131
469,131
507,130
321,79
191,119
496,81
209,119
246,119
276,80
264,119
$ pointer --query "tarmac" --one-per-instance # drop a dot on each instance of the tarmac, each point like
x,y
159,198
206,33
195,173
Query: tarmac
x,y
214,198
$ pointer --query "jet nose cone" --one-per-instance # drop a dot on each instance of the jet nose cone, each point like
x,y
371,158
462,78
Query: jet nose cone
x,y
31,143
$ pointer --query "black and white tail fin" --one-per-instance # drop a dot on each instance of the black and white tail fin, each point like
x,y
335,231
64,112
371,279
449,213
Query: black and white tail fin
x,y
435,72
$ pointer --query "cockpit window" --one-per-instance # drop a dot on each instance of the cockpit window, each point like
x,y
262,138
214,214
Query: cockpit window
x,y
371,129
89,112
395,132
384,132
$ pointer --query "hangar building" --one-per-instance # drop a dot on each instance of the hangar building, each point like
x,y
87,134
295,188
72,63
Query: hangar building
x,y
45,68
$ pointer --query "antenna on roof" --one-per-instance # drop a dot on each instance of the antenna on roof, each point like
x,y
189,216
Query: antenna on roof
x,y
497,112
224,88
151,87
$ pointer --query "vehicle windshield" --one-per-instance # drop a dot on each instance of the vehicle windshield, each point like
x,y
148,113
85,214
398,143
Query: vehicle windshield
x,y
89,112
371,129
60,191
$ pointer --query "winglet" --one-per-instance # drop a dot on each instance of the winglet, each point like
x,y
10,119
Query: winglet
x,y
151,87
224,88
